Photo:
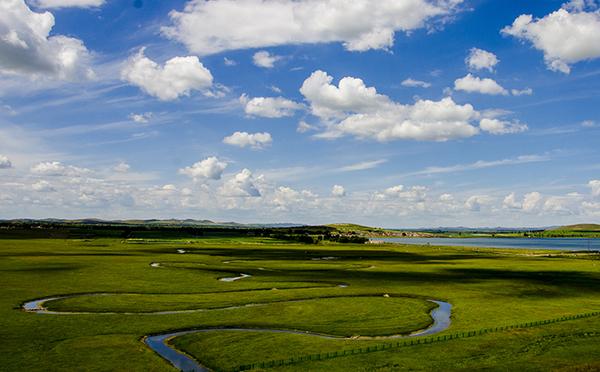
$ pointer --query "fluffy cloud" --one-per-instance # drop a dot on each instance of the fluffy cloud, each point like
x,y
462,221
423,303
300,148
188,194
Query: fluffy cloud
x,y
352,108
595,187
479,59
566,36
265,59
178,77
415,83
210,168
26,47
269,107
241,185
511,202
208,27
497,126
338,191
67,3
351,95
476,202
253,140
5,162
562,205
285,198
474,84
531,202
103,195
56,168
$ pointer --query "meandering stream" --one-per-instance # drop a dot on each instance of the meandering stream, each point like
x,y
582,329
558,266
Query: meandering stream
x,y
160,342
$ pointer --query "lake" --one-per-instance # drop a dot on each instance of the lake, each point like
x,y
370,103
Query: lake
x,y
566,244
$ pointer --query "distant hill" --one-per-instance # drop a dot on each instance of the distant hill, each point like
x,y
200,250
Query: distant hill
x,y
147,222
579,227
347,227
366,231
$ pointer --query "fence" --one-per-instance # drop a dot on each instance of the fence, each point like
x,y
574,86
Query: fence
x,y
406,342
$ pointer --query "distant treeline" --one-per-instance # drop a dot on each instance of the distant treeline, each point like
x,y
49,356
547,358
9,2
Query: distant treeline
x,y
307,238
61,230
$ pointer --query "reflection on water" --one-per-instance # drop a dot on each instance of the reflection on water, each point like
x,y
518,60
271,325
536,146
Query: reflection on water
x,y
233,279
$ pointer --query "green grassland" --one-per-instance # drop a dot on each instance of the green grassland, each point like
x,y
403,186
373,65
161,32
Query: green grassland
x,y
333,289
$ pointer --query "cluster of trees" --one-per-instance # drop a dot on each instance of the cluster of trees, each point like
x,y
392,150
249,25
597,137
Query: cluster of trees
x,y
315,239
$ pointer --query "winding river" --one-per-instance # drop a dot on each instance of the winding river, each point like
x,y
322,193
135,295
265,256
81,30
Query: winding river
x,y
160,342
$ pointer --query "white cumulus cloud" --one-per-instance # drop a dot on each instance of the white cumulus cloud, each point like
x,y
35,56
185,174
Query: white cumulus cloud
x,y
265,59
352,108
27,49
240,185
178,77
269,107
474,84
208,27
511,202
475,203
252,140
210,168
479,59
565,36
531,202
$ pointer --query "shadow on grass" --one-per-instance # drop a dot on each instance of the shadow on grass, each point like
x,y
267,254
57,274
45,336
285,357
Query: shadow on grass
x,y
45,269
556,283
310,253
63,254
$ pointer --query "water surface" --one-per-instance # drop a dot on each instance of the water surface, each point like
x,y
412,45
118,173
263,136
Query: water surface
x,y
564,244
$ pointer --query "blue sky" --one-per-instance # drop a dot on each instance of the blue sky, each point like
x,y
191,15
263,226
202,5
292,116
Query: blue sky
x,y
391,113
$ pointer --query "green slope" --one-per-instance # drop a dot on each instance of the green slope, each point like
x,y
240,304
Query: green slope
x,y
579,227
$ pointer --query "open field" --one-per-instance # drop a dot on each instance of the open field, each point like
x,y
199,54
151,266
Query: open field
x,y
121,287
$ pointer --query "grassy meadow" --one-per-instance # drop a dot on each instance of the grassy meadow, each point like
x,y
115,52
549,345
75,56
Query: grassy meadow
x,y
332,289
